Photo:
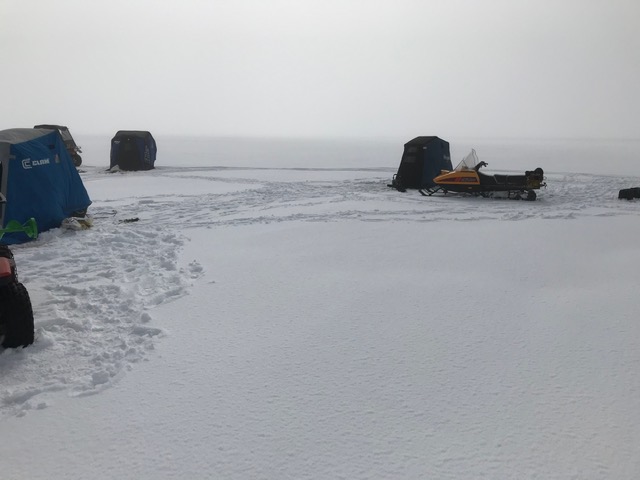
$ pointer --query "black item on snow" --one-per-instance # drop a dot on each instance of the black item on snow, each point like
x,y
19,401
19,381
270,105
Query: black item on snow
x,y
629,193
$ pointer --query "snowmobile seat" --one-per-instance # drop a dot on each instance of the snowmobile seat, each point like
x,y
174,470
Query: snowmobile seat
x,y
505,180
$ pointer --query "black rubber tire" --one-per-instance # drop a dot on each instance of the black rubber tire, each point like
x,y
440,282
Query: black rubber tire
x,y
16,316
531,195
77,160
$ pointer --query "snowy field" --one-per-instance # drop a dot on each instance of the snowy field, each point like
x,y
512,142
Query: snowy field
x,y
263,309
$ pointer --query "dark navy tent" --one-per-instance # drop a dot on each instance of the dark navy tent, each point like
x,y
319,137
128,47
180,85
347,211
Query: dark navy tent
x,y
422,160
38,180
133,150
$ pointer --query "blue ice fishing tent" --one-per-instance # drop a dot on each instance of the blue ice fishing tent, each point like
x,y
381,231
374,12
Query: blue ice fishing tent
x,y
422,160
38,180
133,150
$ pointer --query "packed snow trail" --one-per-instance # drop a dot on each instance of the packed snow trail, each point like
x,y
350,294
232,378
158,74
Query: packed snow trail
x,y
94,291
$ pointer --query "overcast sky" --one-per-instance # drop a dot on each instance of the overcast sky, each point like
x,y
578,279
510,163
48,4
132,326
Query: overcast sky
x,y
494,68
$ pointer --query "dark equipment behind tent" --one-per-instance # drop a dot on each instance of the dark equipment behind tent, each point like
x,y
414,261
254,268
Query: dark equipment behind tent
x,y
73,149
422,160
133,150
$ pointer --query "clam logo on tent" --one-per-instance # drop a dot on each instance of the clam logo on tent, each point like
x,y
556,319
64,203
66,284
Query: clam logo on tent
x,y
28,163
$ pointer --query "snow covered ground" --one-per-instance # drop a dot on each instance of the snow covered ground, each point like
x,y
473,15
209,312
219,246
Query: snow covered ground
x,y
270,309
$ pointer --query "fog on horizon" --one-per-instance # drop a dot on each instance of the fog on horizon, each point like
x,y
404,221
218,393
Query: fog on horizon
x,y
324,68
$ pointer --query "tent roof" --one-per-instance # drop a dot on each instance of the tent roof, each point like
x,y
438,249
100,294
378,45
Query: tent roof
x,y
132,133
51,126
19,135
422,140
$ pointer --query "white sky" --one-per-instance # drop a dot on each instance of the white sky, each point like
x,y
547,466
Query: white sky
x,y
496,68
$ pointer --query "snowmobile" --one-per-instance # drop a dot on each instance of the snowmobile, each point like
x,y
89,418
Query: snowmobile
x,y
467,178
16,313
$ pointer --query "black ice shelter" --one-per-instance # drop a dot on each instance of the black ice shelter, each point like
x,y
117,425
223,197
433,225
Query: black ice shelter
x,y
422,160
133,150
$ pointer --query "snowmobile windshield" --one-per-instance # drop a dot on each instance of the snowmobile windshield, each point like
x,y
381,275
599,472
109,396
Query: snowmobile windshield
x,y
66,136
468,162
